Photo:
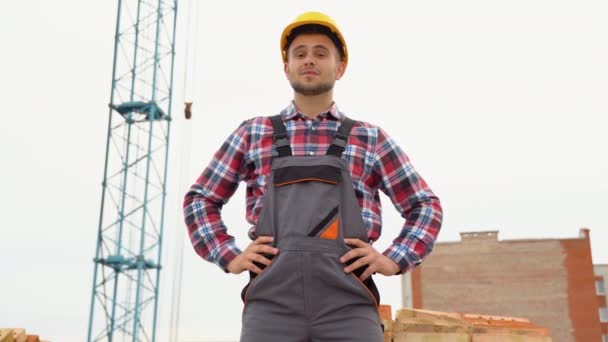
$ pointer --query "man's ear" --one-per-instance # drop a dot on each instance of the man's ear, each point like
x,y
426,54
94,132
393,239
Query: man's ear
x,y
286,70
340,69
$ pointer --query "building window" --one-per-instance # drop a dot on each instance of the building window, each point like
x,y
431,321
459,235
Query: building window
x,y
599,287
604,338
604,314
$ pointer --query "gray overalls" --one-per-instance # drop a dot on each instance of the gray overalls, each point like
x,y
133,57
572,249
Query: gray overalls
x,y
304,295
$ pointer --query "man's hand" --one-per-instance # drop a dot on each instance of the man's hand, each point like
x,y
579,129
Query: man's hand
x,y
368,255
253,253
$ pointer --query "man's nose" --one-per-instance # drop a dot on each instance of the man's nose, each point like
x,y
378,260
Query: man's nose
x,y
309,60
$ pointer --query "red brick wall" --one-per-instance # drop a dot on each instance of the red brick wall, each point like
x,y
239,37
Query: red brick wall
x,y
520,278
581,289
601,301
416,289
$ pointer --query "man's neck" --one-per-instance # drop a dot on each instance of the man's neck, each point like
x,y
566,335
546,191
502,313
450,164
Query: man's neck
x,y
311,106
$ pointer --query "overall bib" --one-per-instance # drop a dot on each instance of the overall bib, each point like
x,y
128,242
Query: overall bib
x,y
304,295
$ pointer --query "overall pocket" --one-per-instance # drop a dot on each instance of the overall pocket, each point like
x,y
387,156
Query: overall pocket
x,y
253,277
368,283
370,287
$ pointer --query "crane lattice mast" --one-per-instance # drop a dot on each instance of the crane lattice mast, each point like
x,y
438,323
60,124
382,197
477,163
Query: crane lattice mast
x,y
124,300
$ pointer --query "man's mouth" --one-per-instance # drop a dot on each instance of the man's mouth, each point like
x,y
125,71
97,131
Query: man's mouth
x,y
310,72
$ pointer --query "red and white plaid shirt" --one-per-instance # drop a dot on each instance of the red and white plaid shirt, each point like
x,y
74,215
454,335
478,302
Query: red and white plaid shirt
x,y
375,163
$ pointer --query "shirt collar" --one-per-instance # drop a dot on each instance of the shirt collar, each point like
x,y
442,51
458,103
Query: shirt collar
x,y
291,113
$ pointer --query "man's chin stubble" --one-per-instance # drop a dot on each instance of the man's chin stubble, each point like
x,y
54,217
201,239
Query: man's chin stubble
x,y
306,91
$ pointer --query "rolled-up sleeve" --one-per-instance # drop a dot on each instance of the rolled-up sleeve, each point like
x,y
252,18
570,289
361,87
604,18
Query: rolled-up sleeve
x,y
413,199
203,202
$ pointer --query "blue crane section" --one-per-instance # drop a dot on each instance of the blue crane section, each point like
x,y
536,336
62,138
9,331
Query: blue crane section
x,y
127,262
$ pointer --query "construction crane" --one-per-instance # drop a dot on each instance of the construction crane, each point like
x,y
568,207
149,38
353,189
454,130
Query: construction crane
x,y
124,300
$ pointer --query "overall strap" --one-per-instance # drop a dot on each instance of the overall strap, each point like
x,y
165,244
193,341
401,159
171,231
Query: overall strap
x,y
337,146
279,136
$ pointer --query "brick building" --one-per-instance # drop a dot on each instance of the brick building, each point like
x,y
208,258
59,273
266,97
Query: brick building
x,y
601,279
549,281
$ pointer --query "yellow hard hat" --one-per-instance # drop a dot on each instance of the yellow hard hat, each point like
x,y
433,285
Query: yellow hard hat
x,y
313,18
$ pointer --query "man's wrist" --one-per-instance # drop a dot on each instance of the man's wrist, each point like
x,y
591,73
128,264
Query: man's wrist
x,y
392,268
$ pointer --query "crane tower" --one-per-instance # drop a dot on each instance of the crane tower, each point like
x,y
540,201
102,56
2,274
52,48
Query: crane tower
x,y
127,262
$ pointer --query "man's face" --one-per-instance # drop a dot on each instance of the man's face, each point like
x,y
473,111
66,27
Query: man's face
x,y
313,64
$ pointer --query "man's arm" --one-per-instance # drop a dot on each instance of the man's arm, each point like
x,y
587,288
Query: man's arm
x,y
417,205
203,202
414,200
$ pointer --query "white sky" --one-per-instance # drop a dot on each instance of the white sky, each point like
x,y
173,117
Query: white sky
x,y
501,106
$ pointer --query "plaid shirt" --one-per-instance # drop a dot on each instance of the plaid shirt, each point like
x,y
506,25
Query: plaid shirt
x,y
374,160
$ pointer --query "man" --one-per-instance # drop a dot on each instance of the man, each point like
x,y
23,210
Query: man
x,y
312,177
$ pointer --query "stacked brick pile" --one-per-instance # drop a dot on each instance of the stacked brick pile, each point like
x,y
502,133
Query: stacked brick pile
x,y
433,326
17,335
